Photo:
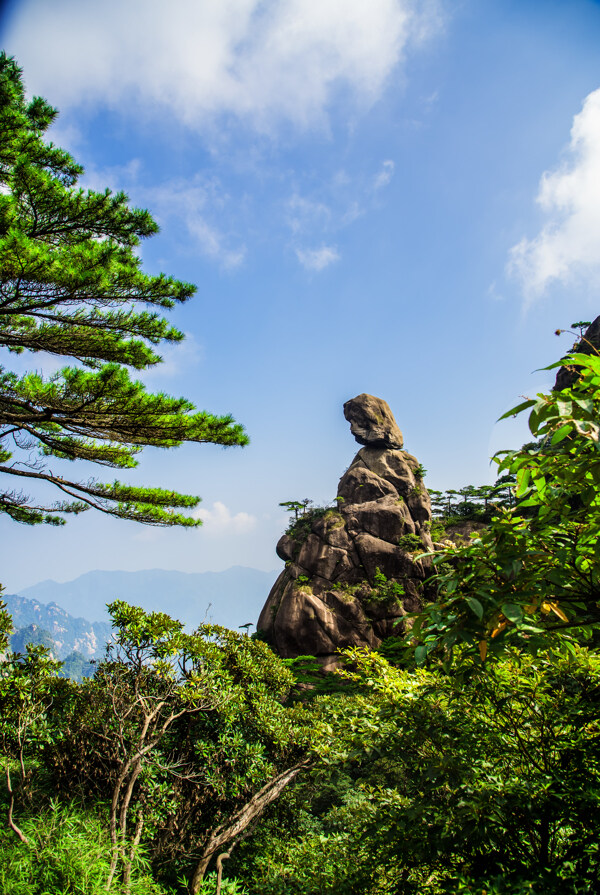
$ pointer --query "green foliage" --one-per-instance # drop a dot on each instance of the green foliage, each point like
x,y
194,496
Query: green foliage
x,y
348,589
393,649
5,623
472,503
437,531
68,852
449,787
581,326
312,681
330,857
297,507
385,591
481,777
228,886
27,692
301,526
174,731
442,773
531,578
304,516
410,543
72,286
177,732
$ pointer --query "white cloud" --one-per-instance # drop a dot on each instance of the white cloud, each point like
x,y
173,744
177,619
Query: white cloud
x,y
317,259
385,174
352,213
333,205
265,61
569,243
492,292
114,177
220,521
195,202
177,358
304,214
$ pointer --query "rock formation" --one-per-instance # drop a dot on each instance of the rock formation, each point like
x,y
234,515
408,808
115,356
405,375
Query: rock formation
x,y
351,570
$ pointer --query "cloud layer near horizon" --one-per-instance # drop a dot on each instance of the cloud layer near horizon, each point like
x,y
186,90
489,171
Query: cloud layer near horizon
x,y
219,520
261,60
568,245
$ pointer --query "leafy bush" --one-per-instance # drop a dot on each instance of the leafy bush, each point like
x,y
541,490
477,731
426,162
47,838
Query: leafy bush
x,y
228,886
489,785
532,577
385,591
410,543
300,528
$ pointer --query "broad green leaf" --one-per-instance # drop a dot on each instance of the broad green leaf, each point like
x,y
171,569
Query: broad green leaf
x,y
586,404
475,606
543,411
523,476
518,409
590,361
512,611
565,408
420,655
561,433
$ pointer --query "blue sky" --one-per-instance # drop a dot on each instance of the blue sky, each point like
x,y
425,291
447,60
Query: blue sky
x,y
395,197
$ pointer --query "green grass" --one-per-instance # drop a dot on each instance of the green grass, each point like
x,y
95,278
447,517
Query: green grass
x,y
68,854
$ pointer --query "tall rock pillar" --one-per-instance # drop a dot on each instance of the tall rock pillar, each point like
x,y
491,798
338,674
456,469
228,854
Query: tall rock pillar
x,y
330,594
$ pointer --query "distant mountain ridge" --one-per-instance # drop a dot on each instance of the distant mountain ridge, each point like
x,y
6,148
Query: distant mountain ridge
x,y
69,634
231,598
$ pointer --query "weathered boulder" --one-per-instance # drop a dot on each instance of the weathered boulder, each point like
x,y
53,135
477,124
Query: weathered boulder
x,y
372,423
331,594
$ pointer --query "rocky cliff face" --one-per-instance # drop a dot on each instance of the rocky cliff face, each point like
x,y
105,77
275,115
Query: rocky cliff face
x,y
351,572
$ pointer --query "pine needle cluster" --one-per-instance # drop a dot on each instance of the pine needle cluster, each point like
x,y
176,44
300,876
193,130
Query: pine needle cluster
x,y
71,285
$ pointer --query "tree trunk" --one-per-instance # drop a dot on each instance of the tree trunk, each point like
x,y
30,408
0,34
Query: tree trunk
x,y
11,805
128,863
222,857
253,809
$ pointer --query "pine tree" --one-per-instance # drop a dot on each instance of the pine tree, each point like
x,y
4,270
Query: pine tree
x,y
71,285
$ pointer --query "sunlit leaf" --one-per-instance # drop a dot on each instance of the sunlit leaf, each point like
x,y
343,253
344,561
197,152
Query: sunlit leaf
x,y
523,476
518,409
557,611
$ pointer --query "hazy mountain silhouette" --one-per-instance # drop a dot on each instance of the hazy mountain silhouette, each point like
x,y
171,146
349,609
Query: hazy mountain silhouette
x,y
231,598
